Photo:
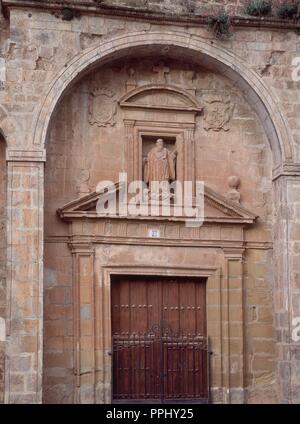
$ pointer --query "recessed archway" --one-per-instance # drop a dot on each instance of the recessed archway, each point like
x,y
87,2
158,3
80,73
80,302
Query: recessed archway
x,y
56,141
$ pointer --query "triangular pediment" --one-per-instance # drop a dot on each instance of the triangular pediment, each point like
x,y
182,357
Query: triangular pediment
x,y
160,96
217,208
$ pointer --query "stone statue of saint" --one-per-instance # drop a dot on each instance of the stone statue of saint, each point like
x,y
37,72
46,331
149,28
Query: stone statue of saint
x,y
160,164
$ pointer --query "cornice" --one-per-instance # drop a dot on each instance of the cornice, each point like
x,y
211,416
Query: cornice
x,y
85,208
91,7
85,240
287,169
14,155
81,244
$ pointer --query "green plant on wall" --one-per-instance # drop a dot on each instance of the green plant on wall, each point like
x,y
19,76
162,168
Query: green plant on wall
x,y
220,25
258,8
287,9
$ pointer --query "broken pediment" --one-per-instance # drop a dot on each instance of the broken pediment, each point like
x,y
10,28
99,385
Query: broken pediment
x,y
160,96
217,209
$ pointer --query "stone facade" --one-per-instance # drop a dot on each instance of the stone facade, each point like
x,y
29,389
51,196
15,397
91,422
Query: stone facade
x,y
2,264
79,94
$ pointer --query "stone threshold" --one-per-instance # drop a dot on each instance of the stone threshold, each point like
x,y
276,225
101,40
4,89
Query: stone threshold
x,y
91,7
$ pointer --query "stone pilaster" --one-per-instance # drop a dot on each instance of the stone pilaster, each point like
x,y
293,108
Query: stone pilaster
x,y
189,147
84,322
233,327
23,383
287,286
130,150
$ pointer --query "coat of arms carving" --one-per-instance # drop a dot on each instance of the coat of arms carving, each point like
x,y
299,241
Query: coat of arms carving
x,y
102,107
217,114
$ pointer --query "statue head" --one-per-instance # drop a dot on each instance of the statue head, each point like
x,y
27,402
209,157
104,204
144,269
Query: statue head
x,y
160,144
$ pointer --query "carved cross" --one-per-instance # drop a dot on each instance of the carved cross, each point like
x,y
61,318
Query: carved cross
x,y
161,70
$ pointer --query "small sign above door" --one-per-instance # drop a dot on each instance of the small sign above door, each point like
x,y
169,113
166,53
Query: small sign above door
x,y
153,233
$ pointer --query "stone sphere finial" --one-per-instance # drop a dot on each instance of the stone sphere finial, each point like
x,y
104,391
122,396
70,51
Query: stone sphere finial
x,y
233,193
234,182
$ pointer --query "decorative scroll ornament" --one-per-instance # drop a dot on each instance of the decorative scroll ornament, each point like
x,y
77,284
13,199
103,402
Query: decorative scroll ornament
x,y
102,107
218,112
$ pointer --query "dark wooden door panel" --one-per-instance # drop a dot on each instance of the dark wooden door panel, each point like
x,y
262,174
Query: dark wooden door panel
x,y
139,303
159,334
154,302
170,304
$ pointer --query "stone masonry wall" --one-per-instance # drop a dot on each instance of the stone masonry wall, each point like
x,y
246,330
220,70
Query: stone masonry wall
x,y
181,6
3,246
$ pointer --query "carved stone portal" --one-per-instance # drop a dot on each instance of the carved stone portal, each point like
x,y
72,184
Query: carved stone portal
x,y
217,114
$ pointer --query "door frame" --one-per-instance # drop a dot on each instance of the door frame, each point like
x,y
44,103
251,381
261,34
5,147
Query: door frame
x,y
213,316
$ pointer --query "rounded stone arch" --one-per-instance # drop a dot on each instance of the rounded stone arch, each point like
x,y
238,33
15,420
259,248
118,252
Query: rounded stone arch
x,y
3,143
3,119
175,44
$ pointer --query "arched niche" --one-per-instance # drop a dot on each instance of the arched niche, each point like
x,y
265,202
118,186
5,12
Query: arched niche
x,y
160,110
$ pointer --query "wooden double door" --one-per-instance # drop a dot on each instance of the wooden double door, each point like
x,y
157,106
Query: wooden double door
x,y
160,348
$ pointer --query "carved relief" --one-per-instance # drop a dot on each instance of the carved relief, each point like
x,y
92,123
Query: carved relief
x,y
102,107
218,112
161,71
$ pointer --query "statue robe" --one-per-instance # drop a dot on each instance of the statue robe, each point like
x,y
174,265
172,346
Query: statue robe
x,y
160,166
